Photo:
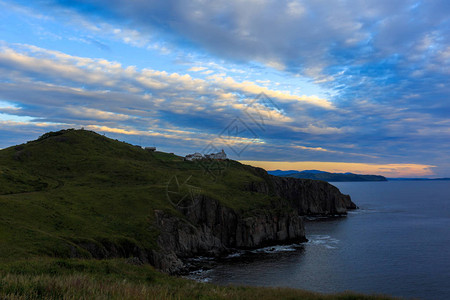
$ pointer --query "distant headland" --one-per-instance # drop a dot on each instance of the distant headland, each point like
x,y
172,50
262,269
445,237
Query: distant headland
x,y
327,176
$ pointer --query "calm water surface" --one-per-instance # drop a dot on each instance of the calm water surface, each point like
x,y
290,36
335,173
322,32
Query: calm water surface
x,y
398,243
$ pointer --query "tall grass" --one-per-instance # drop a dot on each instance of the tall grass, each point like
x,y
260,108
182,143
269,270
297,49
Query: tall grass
x,y
56,278
81,286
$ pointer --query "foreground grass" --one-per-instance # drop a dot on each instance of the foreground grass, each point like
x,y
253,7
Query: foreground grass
x,y
119,279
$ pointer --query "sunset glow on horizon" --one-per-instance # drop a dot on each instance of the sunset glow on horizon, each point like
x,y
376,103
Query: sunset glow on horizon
x,y
387,170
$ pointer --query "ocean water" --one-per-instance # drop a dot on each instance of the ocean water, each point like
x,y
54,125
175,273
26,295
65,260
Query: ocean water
x,y
397,243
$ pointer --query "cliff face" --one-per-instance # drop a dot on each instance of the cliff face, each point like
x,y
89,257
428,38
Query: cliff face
x,y
211,229
309,197
312,197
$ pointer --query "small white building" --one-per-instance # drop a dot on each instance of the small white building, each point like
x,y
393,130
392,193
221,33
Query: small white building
x,y
194,156
218,155
198,156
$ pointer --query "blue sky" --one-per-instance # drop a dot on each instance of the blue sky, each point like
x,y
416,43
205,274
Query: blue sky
x,y
359,86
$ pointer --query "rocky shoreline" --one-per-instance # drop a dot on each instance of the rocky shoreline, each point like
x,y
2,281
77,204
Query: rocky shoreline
x,y
212,230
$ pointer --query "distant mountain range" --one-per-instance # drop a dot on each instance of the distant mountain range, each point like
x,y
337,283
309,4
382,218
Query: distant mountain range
x,y
326,176
417,179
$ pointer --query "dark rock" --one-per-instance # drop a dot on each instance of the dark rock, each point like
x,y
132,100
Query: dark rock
x,y
309,197
211,229
134,261
312,197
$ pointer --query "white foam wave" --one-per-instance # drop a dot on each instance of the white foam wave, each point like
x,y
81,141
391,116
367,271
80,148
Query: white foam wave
x,y
278,248
201,258
323,240
235,254
200,275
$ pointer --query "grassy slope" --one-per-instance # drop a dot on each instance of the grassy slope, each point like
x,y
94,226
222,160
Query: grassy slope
x,y
76,186
79,185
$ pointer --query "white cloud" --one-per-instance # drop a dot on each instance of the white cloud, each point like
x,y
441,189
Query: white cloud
x,y
312,129
197,69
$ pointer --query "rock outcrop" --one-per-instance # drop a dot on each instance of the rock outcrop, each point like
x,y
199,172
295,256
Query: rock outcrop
x,y
309,197
210,229
312,197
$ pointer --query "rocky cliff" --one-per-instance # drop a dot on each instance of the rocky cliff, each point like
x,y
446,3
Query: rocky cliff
x,y
309,197
312,197
210,229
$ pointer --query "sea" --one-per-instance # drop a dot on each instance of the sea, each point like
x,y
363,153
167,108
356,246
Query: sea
x,y
397,243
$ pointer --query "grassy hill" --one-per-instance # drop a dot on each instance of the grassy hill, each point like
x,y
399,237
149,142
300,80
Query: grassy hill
x,y
76,187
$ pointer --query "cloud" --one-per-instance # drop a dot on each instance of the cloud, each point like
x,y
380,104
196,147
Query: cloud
x,y
320,149
320,130
292,32
197,69
99,74
358,49
96,114
50,86
254,89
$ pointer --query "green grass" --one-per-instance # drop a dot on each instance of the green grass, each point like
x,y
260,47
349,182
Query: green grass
x,y
75,187
120,279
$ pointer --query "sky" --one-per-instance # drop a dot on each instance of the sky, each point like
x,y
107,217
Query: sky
x,y
344,86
